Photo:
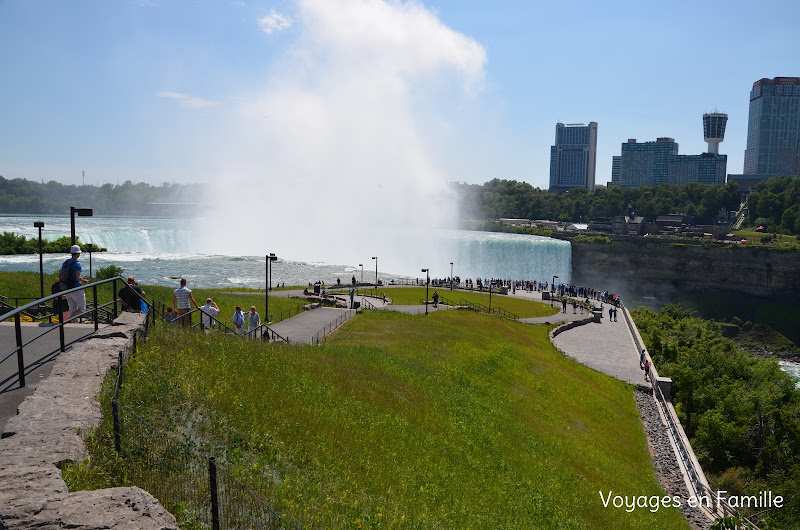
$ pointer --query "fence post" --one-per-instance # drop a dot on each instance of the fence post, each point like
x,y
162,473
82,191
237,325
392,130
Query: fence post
x,y
114,297
96,311
117,438
61,322
20,357
212,477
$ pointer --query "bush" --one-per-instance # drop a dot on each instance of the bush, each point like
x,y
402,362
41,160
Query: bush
x,y
111,271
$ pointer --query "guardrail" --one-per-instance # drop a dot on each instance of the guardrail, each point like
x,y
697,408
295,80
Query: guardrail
x,y
93,312
693,472
332,325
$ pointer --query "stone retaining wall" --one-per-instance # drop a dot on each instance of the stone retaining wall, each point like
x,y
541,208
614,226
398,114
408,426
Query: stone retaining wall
x,y
44,435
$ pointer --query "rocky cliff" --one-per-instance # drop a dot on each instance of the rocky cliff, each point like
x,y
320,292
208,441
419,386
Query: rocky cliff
x,y
643,265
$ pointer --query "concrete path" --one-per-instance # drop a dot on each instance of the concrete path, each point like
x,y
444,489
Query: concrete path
x,y
309,326
11,398
607,347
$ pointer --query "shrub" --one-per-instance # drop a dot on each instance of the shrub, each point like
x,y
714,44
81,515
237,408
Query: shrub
x,y
111,271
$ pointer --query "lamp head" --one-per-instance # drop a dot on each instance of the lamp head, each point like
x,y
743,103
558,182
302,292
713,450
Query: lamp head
x,y
38,224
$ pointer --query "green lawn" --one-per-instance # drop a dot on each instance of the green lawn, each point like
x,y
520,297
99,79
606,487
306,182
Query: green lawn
x,y
456,420
520,306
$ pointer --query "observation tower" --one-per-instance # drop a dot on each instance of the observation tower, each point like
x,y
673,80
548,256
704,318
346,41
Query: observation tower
x,y
714,130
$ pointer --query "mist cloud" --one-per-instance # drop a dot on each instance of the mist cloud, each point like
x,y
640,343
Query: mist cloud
x,y
333,157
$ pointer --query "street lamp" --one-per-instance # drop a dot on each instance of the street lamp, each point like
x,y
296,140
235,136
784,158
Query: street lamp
x,y
268,269
376,270
40,225
362,272
553,289
452,281
491,281
427,283
82,212
89,248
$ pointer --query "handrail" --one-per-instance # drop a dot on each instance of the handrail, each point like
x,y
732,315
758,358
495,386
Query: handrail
x,y
368,304
332,325
92,313
684,453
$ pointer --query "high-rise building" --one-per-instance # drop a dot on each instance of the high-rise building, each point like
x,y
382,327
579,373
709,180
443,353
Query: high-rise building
x,y
573,157
654,163
773,128
646,164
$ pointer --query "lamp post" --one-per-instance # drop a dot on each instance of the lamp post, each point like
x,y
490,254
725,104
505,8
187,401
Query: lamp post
x,y
491,281
362,272
553,289
82,212
268,270
427,283
89,248
452,281
376,271
40,225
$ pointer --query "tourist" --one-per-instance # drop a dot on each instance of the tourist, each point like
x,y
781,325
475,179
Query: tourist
x,y
435,298
180,300
71,270
642,358
253,321
352,296
238,321
170,315
615,314
647,370
209,312
131,296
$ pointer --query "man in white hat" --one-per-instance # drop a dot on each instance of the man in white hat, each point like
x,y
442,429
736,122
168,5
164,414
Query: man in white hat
x,y
73,269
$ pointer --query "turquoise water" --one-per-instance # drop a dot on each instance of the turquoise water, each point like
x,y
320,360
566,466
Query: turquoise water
x,y
158,250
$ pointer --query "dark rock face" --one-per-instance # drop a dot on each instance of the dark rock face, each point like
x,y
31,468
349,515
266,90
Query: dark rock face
x,y
658,265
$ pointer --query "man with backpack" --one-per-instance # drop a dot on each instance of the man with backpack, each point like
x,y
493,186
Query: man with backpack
x,y
69,278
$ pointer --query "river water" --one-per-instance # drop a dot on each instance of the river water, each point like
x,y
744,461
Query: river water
x,y
157,251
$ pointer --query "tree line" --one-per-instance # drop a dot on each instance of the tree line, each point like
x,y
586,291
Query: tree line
x,y
776,202
29,197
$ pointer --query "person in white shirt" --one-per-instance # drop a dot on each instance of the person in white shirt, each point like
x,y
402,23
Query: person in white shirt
x,y
209,310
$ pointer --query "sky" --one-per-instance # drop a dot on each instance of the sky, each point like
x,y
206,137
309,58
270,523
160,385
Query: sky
x,y
449,90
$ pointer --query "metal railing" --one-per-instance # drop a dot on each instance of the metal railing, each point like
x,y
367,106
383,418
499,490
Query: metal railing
x,y
332,325
701,491
94,312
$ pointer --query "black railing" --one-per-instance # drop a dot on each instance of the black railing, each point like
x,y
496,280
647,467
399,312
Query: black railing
x,y
332,325
94,312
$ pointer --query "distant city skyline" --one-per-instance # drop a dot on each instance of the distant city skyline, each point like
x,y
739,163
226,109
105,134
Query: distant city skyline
x,y
156,91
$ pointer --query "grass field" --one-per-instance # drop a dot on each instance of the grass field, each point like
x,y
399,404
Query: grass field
x,y
522,307
456,420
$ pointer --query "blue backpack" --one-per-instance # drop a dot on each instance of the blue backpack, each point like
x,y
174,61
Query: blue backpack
x,y
66,278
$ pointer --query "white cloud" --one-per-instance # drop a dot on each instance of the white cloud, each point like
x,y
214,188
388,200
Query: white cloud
x,y
274,22
187,101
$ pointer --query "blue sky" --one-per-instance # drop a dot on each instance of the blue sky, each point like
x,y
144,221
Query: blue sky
x,y
167,90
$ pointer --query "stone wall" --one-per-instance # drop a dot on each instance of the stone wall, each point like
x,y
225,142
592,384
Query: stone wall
x,y
44,435
652,264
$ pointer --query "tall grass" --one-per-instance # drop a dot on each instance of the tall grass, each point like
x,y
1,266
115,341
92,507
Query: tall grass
x,y
456,420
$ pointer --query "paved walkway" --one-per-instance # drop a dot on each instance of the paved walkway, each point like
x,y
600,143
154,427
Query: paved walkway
x,y
310,326
607,347
11,395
